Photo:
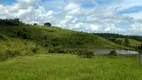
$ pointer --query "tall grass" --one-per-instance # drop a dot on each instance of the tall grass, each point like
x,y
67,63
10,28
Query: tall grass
x,y
70,67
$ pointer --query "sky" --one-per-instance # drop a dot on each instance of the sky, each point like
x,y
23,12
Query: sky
x,y
93,16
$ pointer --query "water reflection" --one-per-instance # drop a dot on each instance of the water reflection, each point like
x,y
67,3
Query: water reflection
x,y
107,51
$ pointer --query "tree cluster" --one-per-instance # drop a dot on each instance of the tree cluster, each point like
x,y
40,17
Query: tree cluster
x,y
11,22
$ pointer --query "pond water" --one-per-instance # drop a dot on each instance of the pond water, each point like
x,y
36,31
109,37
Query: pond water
x,y
107,51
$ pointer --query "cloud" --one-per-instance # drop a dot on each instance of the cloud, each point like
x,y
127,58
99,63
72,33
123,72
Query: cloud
x,y
133,9
80,15
27,10
136,28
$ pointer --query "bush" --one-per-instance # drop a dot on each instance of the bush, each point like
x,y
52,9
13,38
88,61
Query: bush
x,y
35,24
80,52
11,22
9,54
57,50
85,54
34,50
113,53
24,33
47,24
1,36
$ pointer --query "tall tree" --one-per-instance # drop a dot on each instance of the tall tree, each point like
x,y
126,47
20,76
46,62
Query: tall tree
x,y
126,42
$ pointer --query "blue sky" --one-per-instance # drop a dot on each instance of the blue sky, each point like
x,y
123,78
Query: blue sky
x,y
111,16
7,2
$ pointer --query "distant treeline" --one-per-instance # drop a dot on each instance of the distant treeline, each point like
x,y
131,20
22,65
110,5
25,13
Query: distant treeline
x,y
11,22
17,22
113,35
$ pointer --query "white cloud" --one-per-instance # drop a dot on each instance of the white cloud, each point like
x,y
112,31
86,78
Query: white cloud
x,y
71,15
137,15
136,28
27,10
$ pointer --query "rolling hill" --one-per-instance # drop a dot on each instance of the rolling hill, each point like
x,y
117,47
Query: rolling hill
x,y
132,42
18,37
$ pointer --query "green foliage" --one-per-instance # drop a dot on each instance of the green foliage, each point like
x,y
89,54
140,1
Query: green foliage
x,y
132,42
47,24
116,41
56,50
10,22
113,35
85,53
113,53
140,47
126,42
1,37
9,54
80,52
34,50
35,24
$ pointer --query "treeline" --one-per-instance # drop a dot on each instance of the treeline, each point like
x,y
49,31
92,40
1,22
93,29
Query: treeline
x,y
17,22
113,35
11,22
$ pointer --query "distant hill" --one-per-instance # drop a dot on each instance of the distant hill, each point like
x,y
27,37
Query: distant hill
x,y
133,42
113,35
119,39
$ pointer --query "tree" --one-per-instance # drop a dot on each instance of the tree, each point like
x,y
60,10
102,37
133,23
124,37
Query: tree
x,y
113,53
17,19
140,47
47,24
119,41
126,42
35,24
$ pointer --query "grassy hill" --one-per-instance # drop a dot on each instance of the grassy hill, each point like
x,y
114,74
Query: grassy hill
x,y
51,37
17,38
132,41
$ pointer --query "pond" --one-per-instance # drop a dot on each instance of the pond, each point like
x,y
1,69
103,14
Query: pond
x,y
107,51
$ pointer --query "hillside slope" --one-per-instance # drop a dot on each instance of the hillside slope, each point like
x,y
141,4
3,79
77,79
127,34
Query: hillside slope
x,y
131,41
53,36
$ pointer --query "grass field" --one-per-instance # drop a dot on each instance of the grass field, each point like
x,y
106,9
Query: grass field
x,y
70,67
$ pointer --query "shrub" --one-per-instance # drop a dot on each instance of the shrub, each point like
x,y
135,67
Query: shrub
x,y
57,50
11,22
79,43
113,53
47,24
1,36
24,33
85,53
9,54
2,57
80,52
51,50
16,53
35,24
34,50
